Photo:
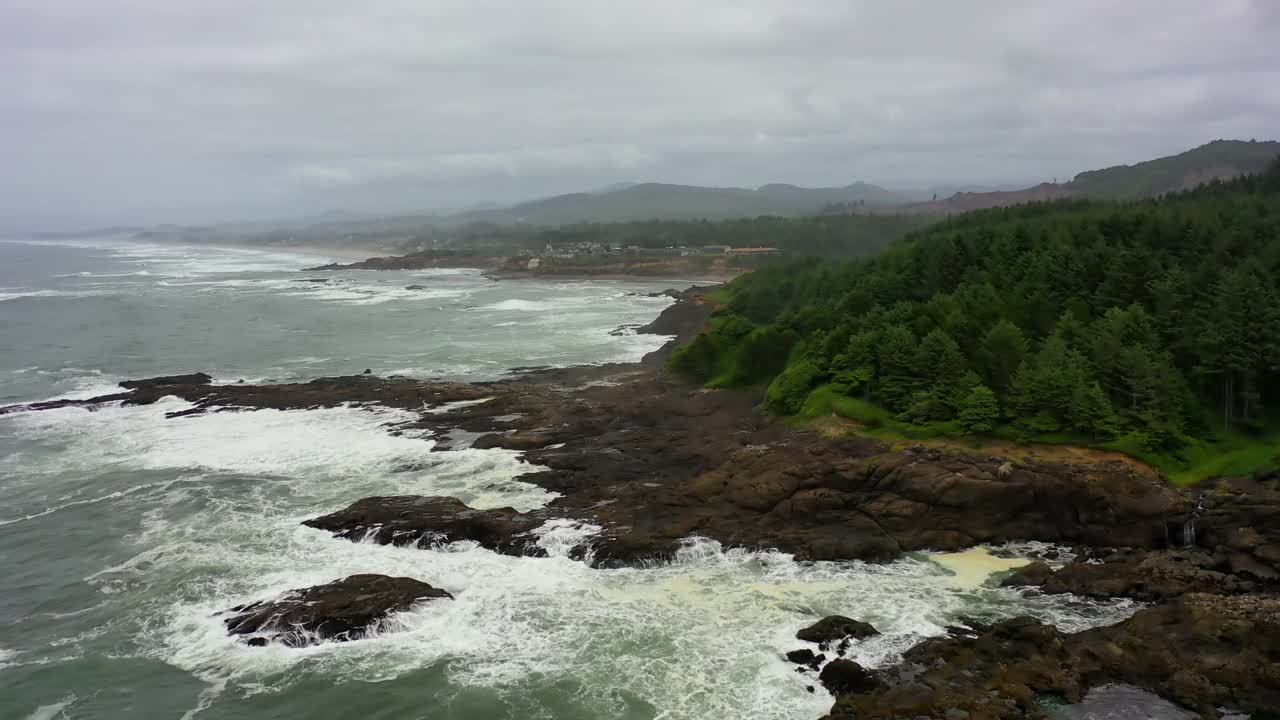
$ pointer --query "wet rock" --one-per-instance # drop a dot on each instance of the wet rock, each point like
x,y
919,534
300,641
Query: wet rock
x,y
1204,651
168,380
1030,575
512,441
342,610
90,404
1155,575
419,520
834,628
488,441
841,677
805,656
415,287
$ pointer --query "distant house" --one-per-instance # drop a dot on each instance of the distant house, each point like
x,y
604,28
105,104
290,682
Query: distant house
x,y
754,251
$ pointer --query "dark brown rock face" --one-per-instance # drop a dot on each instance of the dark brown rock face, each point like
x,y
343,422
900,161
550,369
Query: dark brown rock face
x,y
1203,651
805,656
835,628
1150,576
346,609
1029,575
1237,550
846,676
418,520
149,383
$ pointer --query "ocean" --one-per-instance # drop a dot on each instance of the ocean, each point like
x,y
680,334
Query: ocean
x,y
122,534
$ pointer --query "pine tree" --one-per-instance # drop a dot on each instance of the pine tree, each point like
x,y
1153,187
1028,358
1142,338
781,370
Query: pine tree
x,y
1090,411
942,368
980,410
1001,352
898,378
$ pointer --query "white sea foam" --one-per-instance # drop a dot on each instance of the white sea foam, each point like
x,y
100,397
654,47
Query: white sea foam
x,y
330,453
19,293
524,305
698,638
52,712
559,537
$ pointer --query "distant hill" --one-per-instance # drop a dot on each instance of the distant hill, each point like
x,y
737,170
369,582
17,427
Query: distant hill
x,y
1218,160
659,201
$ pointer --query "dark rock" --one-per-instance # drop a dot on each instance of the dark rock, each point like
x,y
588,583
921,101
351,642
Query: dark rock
x,y
1205,651
166,381
1033,575
804,656
1155,575
417,520
367,371
91,404
415,287
185,413
489,441
841,677
836,627
342,610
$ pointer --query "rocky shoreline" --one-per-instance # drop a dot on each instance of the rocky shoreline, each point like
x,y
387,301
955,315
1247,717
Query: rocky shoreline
x,y
652,461
506,268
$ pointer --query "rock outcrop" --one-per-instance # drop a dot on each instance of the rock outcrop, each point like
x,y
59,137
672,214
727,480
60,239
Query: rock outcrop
x,y
424,521
835,628
1203,651
342,610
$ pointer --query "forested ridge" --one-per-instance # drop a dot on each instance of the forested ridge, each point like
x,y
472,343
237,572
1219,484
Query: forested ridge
x,y
1152,325
825,235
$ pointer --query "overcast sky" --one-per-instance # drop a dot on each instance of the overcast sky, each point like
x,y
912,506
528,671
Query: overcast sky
x,y
203,110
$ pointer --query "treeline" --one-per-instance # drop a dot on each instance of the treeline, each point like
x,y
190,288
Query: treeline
x,y
1155,320
824,236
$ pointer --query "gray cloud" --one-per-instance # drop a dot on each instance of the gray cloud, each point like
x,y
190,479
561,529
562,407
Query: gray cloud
x,y
184,110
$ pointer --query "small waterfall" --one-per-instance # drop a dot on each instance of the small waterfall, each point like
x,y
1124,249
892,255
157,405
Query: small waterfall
x,y
1189,527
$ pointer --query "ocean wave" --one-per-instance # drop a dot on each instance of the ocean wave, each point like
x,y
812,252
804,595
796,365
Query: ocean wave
x,y
314,449
7,294
523,305
660,631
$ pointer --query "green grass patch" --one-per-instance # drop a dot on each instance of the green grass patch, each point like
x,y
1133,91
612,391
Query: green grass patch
x,y
876,421
1225,454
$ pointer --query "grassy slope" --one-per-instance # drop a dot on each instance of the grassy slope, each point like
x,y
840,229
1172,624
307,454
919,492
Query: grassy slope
x,y
1227,454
